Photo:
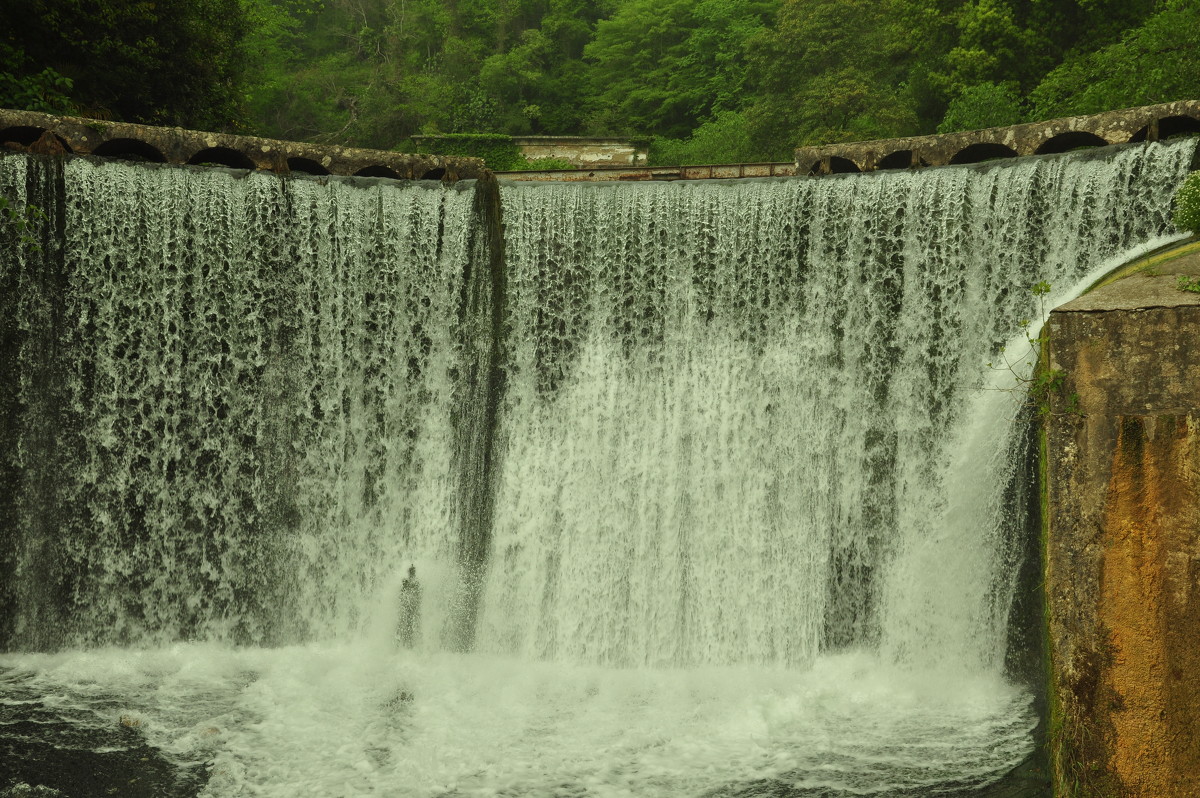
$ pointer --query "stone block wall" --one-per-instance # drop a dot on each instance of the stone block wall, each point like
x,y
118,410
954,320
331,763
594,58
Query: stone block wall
x,y
54,135
1123,541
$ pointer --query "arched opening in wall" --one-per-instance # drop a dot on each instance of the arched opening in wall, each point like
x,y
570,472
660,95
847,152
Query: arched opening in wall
x,y
1166,128
25,135
901,159
842,166
983,151
377,171
223,156
1178,126
434,174
130,150
306,165
1071,140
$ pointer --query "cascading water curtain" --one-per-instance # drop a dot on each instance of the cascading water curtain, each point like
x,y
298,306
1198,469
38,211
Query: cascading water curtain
x,y
237,403
743,431
736,412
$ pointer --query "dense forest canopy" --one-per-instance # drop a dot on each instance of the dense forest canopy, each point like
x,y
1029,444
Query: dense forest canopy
x,y
710,80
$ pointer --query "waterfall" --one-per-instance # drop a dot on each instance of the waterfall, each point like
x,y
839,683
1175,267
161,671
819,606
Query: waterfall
x,y
709,486
732,405
252,421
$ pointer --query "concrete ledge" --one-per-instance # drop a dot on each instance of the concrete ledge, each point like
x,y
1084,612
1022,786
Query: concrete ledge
x,y
1147,123
626,173
25,129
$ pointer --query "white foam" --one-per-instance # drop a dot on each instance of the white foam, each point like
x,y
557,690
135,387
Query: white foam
x,y
343,720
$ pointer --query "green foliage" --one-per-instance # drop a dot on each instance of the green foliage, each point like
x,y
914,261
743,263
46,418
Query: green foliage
x,y
46,91
1154,62
1046,388
666,66
1187,204
723,139
498,151
1047,393
1187,283
830,70
708,80
272,50
990,43
982,105
373,72
20,219
549,164
166,62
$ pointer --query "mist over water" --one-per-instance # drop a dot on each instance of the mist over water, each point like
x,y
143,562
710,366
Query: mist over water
x,y
752,523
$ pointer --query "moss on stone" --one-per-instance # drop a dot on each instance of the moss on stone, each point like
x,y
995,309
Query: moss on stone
x,y
1152,264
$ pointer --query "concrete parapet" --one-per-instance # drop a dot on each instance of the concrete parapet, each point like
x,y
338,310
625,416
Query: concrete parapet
x,y
1147,123
23,129
1123,539
584,151
627,173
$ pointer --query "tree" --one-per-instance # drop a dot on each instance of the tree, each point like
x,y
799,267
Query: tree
x,y
666,66
172,62
20,87
831,70
1153,63
983,105
723,139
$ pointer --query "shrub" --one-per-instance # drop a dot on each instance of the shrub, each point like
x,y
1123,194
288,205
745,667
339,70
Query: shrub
x,y
1187,204
498,151
722,139
549,163
981,106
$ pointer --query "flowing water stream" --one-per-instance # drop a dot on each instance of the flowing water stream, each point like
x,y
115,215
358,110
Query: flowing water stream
x,y
710,492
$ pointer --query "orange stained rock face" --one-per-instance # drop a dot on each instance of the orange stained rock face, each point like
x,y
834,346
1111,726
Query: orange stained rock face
x,y
1147,600
1123,539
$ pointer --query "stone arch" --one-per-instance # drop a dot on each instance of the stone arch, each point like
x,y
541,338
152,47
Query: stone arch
x,y
306,165
377,170
1181,125
982,151
436,173
842,166
225,156
130,150
26,135
1165,128
1070,140
900,159
1140,135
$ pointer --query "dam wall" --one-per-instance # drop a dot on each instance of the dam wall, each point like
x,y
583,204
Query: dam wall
x,y
53,135
1123,538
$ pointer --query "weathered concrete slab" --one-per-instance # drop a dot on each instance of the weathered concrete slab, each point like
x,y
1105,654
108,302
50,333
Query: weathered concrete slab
x,y
1155,286
1123,540
1147,123
584,152
705,172
180,146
